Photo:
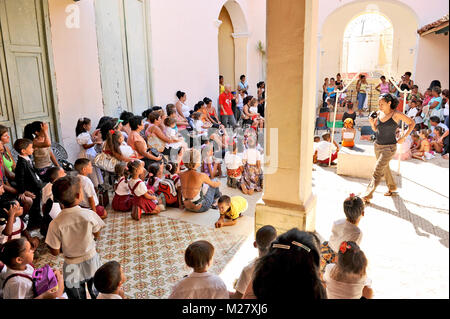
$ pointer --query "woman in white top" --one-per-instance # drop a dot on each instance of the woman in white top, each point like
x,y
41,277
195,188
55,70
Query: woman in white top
x,y
251,180
182,108
87,147
250,112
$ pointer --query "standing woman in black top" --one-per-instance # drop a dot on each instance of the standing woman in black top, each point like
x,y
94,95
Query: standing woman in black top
x,y
385,125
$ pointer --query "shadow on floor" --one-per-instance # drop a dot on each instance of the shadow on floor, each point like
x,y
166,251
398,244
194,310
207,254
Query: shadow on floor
x,y
419,223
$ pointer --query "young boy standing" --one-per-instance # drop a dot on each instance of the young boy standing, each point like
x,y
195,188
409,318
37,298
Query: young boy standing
x,y
90,200
73,232
230,208
28,181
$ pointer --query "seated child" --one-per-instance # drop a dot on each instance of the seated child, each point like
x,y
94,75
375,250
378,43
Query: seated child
x,y
315,143
233,163
11,224
200,284
28,180
252,177
347,278
343,230
264,237
90,200
172,133
230,208
108,280
323,150
170,186
18,255
73,233
415,145
424,152
438,145
199,127
210,166
143,198
155,177
50,208
122,200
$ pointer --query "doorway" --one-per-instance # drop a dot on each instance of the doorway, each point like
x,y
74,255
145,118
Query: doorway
x,y
226,49
25,82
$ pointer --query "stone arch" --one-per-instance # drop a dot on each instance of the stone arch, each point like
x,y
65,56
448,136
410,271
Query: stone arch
x,y
240,36
403,19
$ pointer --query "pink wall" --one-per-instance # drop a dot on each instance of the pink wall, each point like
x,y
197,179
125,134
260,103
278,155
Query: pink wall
x,y
77,70
432,61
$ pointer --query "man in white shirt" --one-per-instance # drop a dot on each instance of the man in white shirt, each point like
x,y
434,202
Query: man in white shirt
x,y
322,152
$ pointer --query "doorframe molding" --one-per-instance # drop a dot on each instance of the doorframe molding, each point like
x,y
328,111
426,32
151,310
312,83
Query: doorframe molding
x,y
51,69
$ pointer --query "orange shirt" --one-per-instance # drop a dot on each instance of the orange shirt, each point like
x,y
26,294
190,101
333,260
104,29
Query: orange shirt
x,y
132,139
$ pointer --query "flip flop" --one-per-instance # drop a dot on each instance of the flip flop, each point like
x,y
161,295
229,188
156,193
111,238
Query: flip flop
x,y
389,193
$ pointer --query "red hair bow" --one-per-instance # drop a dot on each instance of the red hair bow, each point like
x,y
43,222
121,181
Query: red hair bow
x,y
112,131
344,247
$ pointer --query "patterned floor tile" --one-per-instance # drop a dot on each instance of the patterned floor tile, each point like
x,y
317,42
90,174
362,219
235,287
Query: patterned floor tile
x,y
151,251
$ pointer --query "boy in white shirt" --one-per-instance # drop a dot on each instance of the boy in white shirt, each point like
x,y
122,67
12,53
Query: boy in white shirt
x,y
322,152
109,280
73,232
90,200
264,237
200,284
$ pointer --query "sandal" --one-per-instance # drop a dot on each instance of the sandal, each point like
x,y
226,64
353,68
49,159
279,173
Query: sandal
x,y
391,193
366,200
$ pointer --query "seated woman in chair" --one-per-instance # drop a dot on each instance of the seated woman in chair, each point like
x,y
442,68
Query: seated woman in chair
x,y
348,133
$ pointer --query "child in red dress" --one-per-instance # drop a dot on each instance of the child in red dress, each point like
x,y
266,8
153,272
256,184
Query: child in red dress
x,y
143,198
122,200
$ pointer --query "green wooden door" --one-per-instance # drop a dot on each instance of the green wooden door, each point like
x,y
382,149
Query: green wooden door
x,y
25,90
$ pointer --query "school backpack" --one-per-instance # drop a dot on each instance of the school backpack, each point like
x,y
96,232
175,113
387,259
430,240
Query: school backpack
x,y
167,187
43,279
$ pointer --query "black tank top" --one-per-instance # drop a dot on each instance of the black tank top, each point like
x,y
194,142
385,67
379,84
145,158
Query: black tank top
x,y
385,134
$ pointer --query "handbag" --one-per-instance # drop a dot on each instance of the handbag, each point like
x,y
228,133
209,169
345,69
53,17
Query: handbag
x,y
105,162
103,196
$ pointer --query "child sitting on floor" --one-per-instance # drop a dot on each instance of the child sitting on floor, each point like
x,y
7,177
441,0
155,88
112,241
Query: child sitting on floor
x,y
90,200
264,237
11,224
233,163
436,144
200,284
109,280
210,166
424,152
122,200
73,233
230,208
347,278
155,177
143,198
50,208
18,255
415,145
343,230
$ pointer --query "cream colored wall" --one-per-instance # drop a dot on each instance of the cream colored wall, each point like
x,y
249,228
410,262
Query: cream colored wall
x,y
405,36
226,49
184,47
432,61
77,70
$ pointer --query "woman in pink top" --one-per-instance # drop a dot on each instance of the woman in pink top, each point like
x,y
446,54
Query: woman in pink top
x,y
384,86
137,142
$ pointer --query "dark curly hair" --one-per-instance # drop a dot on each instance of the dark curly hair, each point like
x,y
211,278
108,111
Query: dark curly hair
x,y
290,273
353,208
388,97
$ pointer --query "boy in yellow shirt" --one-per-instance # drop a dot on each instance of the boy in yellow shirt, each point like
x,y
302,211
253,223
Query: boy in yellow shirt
x,y
230,208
